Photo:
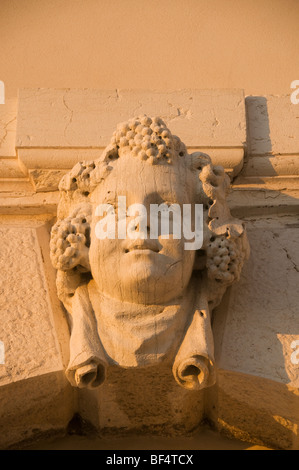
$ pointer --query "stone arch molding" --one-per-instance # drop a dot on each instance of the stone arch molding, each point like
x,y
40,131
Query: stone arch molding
x,y
138,309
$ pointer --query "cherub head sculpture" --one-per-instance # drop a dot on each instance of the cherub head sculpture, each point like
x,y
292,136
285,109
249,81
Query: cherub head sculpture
x,y
136,301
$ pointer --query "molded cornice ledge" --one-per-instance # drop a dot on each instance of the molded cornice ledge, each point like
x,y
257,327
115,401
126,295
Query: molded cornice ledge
x,y
45,132
269,180
57,128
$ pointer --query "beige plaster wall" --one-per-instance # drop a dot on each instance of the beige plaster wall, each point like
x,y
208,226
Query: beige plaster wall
x,y
153,45
156,44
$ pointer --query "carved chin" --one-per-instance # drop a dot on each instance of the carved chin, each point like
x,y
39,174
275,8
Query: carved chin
x,y
147,278
143,270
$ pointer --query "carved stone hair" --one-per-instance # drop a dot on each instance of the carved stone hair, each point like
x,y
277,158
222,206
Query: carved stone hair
x,y
225,243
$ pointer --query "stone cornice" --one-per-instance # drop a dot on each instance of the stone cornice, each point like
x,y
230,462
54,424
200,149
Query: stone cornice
x,y
45,132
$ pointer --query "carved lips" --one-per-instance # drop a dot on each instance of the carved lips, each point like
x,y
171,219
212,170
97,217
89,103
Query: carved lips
x,y
142,246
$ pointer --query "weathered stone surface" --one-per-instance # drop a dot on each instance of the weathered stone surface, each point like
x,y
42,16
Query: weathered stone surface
x,y
153,402
257,338
46,180
269,180
34,351
56,158
272,165
20,202
257,392
209,120
143,302
87,118
256,395
272,125
257,409
10,168
266,166
8,124
35,407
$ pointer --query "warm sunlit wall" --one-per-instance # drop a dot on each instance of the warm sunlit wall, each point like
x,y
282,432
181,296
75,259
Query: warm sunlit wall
x,y
160,44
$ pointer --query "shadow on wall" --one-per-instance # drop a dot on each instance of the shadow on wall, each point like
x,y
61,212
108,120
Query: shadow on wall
x,y
257,388
262,162
258,128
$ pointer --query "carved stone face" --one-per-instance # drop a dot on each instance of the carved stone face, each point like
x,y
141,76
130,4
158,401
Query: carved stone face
x,y
143,270
146,165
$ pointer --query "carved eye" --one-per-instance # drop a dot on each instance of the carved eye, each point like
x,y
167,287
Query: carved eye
x,y
113,156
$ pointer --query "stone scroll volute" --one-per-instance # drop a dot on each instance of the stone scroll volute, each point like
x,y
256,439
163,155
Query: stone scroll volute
x,y
135,302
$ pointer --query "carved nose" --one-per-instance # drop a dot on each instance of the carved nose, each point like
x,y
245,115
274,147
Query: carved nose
x,y
138,226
